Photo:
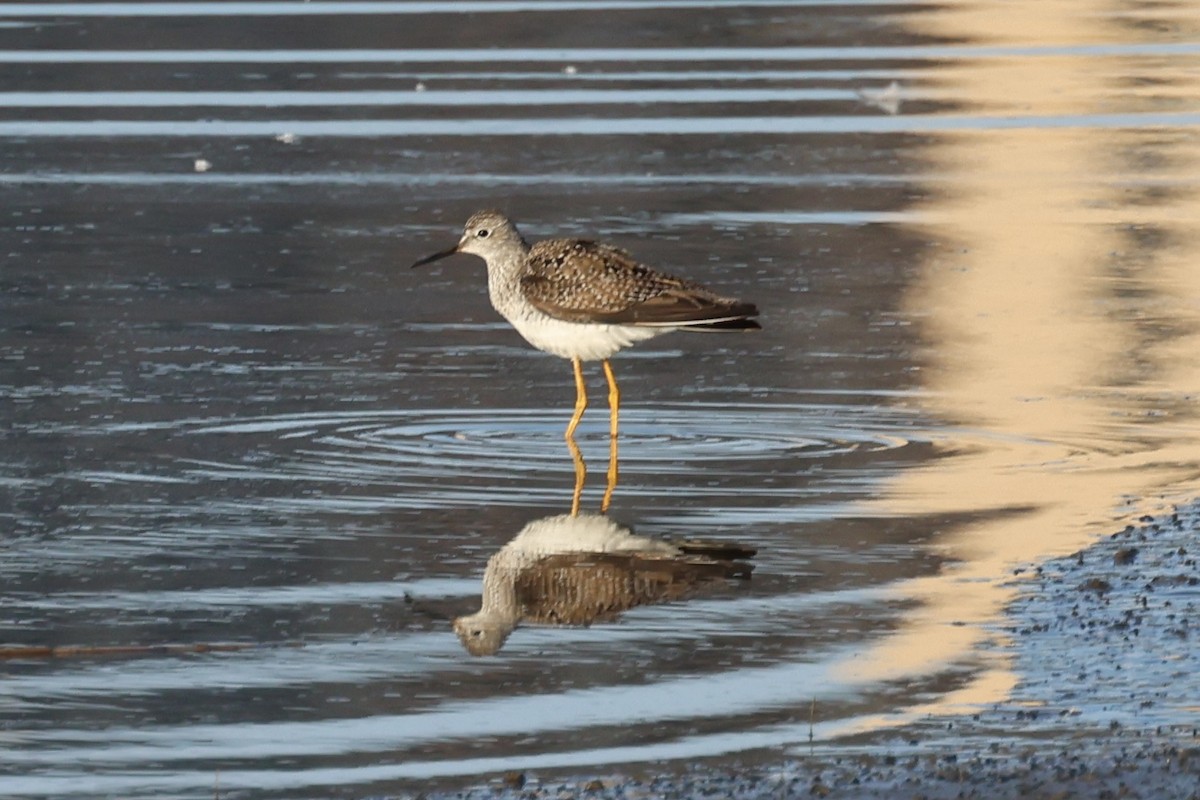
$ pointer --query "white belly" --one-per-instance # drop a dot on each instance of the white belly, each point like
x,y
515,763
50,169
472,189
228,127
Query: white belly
x,y
578,340
585,533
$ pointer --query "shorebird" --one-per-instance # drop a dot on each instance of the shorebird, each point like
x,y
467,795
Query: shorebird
x,y
585,301
570,570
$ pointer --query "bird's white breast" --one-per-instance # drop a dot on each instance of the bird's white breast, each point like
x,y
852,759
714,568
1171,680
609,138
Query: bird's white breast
x,y
583,533
578,340
585,341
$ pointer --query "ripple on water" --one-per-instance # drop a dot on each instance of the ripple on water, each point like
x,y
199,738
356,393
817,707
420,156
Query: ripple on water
x,y
514,446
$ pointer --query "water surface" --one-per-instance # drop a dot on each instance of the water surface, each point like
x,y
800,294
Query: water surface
x,y
230,415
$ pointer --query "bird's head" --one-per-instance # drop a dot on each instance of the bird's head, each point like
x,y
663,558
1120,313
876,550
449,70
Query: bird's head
x,y
486,233
483,634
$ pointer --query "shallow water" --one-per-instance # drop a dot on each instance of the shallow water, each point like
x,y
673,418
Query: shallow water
x,y
229,414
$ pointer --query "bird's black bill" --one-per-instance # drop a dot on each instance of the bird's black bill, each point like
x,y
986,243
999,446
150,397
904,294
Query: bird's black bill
x,y
435,257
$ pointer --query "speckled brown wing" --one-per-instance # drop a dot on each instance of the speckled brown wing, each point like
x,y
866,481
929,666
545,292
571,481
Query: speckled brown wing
x,y
584,588
577,280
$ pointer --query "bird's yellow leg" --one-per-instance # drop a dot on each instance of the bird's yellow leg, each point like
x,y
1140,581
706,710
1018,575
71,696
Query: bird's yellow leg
x,y
614,398
580,475
580,399
611,483
614,403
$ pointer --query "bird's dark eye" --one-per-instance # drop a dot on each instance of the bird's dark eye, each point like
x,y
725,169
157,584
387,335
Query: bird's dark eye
x,y
482,233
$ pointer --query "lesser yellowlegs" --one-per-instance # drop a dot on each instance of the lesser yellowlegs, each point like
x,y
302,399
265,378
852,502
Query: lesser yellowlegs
x,y
580,569
584,300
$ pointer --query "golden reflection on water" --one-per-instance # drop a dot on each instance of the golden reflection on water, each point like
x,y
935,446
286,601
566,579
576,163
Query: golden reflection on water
x,y
1060,305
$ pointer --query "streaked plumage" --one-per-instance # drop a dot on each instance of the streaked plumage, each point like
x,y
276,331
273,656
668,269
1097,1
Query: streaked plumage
x,y
578,570
576,280
585,301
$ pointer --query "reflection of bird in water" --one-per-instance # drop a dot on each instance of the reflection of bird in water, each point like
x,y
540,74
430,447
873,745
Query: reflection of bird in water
x,y
585,301
580,569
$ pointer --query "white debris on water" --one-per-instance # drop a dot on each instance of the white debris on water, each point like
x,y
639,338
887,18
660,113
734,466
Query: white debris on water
x,y
201,165
888,98
286,138
570,69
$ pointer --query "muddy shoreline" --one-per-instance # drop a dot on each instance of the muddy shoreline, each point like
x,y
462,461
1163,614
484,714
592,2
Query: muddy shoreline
x,y
1104,641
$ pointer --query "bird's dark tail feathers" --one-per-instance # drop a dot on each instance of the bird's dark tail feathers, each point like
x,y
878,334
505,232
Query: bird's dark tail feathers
x,y
725,551
724,325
